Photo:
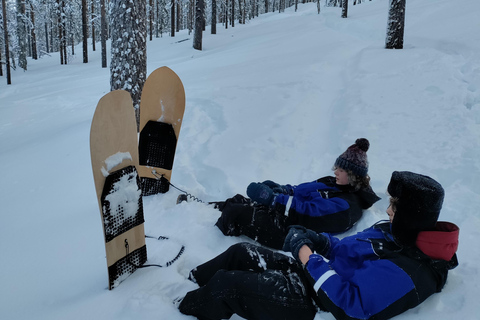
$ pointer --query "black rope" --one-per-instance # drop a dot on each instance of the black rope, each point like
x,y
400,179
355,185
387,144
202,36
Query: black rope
x,y
191,196
169,263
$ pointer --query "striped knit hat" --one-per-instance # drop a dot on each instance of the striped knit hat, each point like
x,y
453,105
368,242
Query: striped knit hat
x,y
355,158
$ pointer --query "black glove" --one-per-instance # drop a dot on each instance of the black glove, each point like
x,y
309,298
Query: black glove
x,y
261,193
277,188
319,243
295,240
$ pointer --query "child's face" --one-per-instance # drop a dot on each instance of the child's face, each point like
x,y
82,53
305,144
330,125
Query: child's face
x,y
341,176
390,213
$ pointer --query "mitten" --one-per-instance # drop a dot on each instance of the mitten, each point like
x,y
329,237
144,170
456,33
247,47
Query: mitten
x,y
295,240
260,193
270,184
277,188
321,242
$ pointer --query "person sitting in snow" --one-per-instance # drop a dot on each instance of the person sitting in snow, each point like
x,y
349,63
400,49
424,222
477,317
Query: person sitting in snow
x,y
329,204
375,274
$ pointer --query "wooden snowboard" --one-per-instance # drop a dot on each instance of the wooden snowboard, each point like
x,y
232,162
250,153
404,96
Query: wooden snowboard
x,y
114,154
161,113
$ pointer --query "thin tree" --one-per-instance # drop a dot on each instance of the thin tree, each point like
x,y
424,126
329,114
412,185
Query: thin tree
x,y
61,39
172,19
128,67
233,13
85,31
197,37
213,26
103,33
190,16
395,25
5,39
22,35
178,16
33,33
344,8
92,5
226,14
150,18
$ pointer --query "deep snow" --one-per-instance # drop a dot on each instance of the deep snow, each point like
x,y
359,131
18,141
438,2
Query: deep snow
x,y
279,98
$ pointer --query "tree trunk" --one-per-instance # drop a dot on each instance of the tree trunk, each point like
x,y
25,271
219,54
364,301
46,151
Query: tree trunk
x,y
21,35
172,19
344,8
5,38
103,33
226,14
93,23
33,34
150,15
197,39
60,31
395,25
128,67
214,17
46,37
233,13
85,31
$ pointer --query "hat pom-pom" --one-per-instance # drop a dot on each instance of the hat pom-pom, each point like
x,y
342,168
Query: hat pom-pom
x,y
363,144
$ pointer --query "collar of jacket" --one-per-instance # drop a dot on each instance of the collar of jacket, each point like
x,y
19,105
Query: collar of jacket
x,y
441,243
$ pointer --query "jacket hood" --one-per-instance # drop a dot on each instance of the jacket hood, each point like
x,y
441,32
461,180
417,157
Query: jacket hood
x,y
368,197
440,243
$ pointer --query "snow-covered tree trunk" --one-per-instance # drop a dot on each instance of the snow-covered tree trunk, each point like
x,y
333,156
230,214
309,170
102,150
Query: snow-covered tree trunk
x,y
33,33
128,66
21,35
197,37
395,24
344,8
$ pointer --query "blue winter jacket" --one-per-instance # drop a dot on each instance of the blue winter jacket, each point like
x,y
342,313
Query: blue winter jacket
x,y
369,276
324,206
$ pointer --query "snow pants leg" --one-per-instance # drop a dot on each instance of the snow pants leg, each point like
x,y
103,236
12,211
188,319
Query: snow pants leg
x,y
253,282
260,223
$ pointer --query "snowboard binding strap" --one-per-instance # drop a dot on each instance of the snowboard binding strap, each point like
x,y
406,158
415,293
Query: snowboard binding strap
x,y
165,180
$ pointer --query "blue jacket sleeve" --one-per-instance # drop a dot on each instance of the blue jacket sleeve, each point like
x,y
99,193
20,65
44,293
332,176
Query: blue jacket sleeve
x,y
308,200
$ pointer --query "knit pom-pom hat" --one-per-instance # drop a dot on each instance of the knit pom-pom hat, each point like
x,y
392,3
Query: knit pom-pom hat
x,y
355,158
420,200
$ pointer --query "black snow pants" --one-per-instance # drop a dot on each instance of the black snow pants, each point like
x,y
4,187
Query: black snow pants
x,y
261,223
252,282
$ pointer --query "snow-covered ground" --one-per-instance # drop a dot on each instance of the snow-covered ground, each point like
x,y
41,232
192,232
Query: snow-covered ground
x,y
279,98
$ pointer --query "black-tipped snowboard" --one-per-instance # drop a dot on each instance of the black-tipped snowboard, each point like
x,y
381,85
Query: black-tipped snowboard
x,y
114,155
161,113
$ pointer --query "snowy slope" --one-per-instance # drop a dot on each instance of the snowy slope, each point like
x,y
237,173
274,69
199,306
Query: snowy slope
x,y
279,98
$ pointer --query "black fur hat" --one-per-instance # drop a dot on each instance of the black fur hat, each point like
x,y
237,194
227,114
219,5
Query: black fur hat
x,y
355,158
420,200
